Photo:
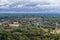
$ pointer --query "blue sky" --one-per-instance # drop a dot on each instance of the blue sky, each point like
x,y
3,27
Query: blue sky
x,y
38,6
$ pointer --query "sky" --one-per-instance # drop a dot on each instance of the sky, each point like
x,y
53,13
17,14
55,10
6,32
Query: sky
x,y
30,6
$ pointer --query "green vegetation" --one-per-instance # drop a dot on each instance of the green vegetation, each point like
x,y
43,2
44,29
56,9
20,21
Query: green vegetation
x,y
31,27
30,34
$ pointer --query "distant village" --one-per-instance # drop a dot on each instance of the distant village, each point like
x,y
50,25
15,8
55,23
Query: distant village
x,y
10,24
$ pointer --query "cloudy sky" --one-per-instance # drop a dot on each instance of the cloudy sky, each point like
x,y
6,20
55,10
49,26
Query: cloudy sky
x,y
30,6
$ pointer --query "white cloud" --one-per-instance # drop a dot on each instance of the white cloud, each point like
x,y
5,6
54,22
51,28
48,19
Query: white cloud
x,y
4,2
31,4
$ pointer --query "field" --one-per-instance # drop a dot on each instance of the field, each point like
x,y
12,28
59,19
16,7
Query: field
x,y
30,26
